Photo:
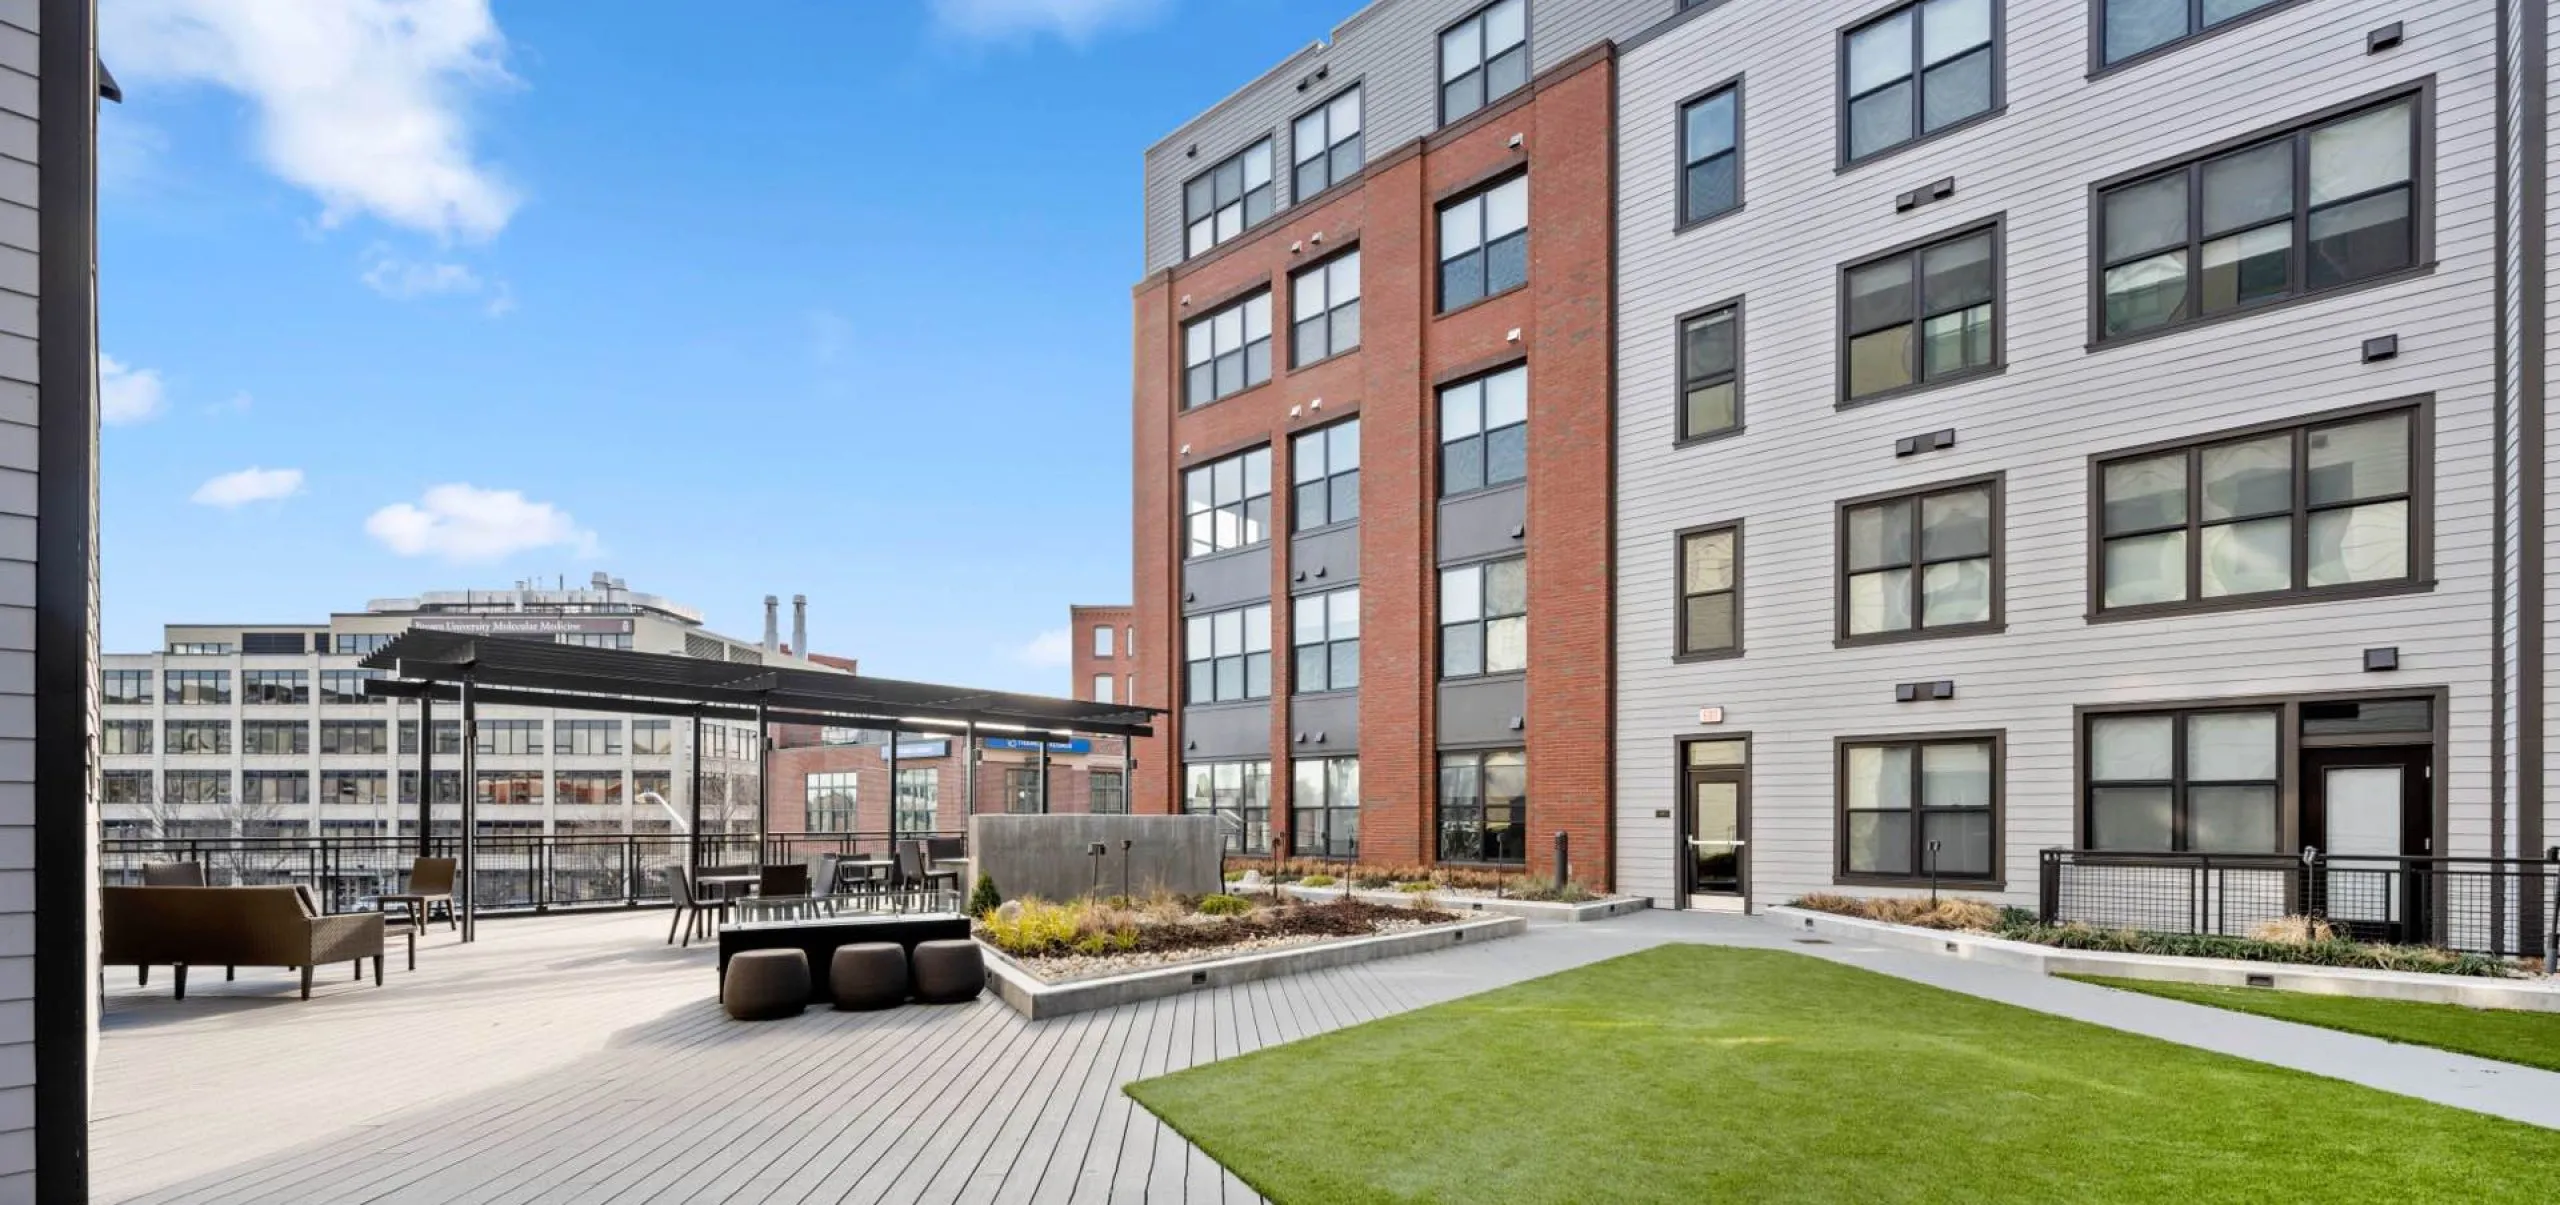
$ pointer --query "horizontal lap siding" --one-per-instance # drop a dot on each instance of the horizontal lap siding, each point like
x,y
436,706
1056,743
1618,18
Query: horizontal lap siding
x,y
2038,422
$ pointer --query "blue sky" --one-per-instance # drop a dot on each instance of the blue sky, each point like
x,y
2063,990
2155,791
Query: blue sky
x,y
728,300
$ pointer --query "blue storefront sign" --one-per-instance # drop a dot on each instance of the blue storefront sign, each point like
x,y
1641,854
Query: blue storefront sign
x,y
924,748
1078,745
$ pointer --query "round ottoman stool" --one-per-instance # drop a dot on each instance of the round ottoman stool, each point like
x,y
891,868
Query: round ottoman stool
x,y
871,974
764,984
949,972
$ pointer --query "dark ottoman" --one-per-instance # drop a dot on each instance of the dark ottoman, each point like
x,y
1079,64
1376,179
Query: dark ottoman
x,y
764,984
871,974
948,972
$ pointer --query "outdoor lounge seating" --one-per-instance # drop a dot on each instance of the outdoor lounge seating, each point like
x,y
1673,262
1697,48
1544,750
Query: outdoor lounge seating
x,y
870,974
173,874
690,907
430,883
231,927
915,872
761,985
949,972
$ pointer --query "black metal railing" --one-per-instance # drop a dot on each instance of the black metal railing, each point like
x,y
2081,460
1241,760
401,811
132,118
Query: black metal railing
x,y
2499,906
514,872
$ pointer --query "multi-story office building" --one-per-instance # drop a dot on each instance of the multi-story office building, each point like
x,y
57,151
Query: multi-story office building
x,y
264,730
1936,432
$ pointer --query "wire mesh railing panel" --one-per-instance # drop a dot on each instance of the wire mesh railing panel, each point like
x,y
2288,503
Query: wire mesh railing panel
x,y
2499,906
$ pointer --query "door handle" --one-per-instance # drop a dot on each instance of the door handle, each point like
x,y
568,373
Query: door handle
x,y
1703,843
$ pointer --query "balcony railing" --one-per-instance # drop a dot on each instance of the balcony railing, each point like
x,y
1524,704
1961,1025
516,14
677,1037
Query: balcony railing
x,y
2497,906
514,872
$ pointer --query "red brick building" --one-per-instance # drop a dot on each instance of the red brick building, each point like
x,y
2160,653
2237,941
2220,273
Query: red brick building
x,y
1105,639
1458,707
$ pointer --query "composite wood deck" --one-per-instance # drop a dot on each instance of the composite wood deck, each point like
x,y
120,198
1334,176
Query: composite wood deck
x,y
576,1059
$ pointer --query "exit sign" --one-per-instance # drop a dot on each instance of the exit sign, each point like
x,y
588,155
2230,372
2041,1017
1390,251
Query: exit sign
x,y
1711,715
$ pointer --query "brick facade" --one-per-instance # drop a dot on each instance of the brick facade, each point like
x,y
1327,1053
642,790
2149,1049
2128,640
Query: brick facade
x,y
797,756
1560,323
1121,662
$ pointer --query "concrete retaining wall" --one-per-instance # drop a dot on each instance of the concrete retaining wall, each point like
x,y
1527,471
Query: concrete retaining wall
x,y
1046,855
1536,910
1037,1000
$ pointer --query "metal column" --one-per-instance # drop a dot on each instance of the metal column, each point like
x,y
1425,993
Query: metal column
x,y
693,834
1042,740
470,876
969,762
763,792
426,774
892,750
1128,788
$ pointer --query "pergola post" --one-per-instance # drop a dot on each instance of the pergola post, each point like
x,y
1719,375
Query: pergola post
x,y
764,791
1042,740
892,760
470,885
1126,765
693,832
969,763
426,773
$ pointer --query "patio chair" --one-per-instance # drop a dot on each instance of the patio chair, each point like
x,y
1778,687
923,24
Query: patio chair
x,y
945,849
430,883
788,879
914,873
173,874
690,906
823,883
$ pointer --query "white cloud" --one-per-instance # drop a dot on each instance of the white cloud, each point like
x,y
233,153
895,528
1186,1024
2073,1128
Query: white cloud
x,y
1053,649
127,394
502,301
402,279
362,102
465,523
247,486
1074,21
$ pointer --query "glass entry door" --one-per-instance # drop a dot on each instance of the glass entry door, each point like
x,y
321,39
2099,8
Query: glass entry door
x,y
2370,812
1714,823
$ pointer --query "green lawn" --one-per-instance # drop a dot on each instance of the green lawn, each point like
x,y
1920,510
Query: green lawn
x,y
2507,1035
1694,1073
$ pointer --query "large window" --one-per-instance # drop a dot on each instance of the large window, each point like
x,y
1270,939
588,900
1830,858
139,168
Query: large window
x,y
1228,654
1484,431
1324,807
1484,618
1102,633
1711,155
1325,144
199,736
596,788
506,738
1921,315
275,788
2134,27
1911,807
1226,504
653,737
1238,793
275,737
2276,514
1710,620
363,644
511,787
1326,468
1227,352
1324,310
1711,372
1022,789
1483,58
197,686
354,736
196,786
1106,793
1102,687
289,644
1915,71
355,788
1921,563
347,686
448,789
2315,208
645,783
1228,199
2204,781
1327,641
125,786
918,800
126,686
124,737
1484,244
1484,806
448,736
587,738
290,687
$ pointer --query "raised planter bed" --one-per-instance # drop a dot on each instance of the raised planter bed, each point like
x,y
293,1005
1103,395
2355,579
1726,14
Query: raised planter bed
x,y
1038,1000
1465,903
2538,995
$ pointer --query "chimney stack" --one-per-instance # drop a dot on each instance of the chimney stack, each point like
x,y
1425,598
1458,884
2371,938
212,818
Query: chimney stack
x,y
800,625
772,623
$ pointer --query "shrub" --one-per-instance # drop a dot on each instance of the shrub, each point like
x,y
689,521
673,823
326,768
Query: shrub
x,y
1573,892
1230,876
985,897
1224,905
1317,880
1372,880
1948,912
1416,888
2294,931
1030,927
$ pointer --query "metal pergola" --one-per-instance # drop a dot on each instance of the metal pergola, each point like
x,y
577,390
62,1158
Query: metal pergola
x,y
469,670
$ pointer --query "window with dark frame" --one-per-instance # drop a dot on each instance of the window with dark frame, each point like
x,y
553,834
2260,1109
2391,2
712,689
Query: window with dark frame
x,y
125,786
1483,58
918,799
1227,655
276,738
1484,244
1238,793
286,687
120,737
197,687
652,737
1227,352
2200,781
1324,807
355,788
197,736
1327,640
1711,155
1921,562
363,644
448,790
289,644
1899,798
1105,793
1484,431
1484,618
1710,619
1324,144
125,686
2318,207
1711,372
509,738
346,686
1325,466
196,786
587,738
354,737
1226,503
275,788
1228,199
2320,507
1324,309
1915,71
1923,315
1484,806
2135,27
